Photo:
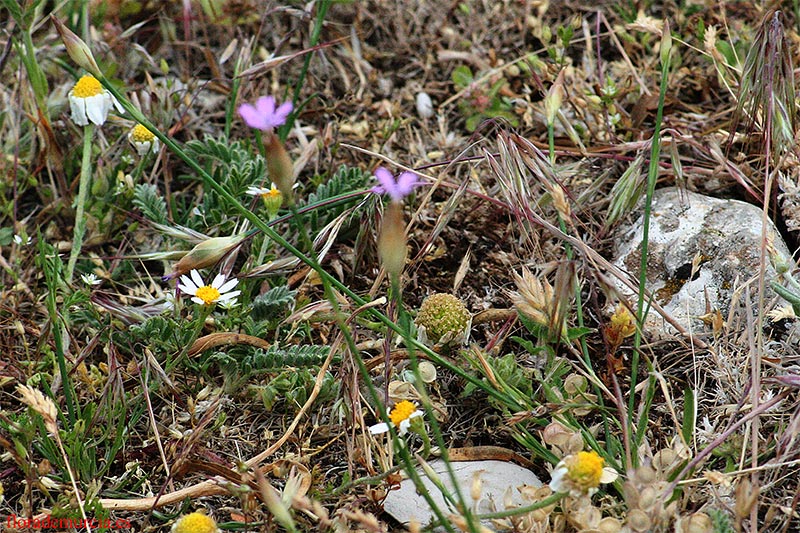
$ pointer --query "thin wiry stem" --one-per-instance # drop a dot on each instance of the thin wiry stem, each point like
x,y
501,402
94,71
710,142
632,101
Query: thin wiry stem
x,y
652,178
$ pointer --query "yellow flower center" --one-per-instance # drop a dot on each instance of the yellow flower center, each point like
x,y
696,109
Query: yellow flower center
x,y
586,469
401,412
140,134
272,193
208,294
87,86
195,523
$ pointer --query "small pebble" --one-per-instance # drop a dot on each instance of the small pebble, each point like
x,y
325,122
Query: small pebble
x,y
424,105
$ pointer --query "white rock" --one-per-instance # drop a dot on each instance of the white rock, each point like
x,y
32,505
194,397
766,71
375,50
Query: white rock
x,y
497,477
424,105
727,236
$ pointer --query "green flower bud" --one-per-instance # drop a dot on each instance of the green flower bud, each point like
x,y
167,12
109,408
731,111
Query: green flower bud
x,y
77,50
392,240
280,167
444,318
205,254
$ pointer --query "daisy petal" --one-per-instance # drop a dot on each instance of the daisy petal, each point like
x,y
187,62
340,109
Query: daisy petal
x,y
229,295
117,105
219,279
78,108
228,285
187,286
377,429
97,108
197,279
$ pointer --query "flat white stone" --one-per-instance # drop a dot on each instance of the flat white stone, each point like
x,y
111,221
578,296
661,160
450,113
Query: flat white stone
x,y
498,478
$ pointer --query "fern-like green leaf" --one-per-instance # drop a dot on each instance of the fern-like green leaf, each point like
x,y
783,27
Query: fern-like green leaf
x,y
273,303
150,203
275,358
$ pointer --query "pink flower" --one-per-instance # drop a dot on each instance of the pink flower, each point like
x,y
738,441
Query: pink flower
x,y
263,115
398,189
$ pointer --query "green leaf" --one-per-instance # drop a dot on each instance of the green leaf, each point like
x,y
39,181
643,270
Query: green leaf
x,y
14,8
688,415
473,121
787,295
273,303
345,180
150,203
6,236
529,346
461,76
576,333
727,51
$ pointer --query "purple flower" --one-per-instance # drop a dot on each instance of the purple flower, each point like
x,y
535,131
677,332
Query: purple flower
x,y
263,115
397,190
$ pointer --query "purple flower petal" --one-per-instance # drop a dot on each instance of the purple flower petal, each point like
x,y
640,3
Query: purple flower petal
x,y
385,178
266,106
263,115
252,117
397,190
282,113
406,183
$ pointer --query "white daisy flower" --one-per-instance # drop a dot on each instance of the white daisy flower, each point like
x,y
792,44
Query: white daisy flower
x,y
90,279
263,191
581,473
401,415
218,291
89,101
143,140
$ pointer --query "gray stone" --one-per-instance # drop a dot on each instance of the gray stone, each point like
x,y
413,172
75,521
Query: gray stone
x,y
498,479
724,236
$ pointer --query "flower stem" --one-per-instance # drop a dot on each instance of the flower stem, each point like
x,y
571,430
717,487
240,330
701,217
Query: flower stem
x,y
83,190
203,312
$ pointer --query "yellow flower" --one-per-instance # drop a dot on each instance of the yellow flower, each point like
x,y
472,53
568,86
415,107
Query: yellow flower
x,y
90,101
581,473
195,523
623,321
143,140
401,416
272,197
